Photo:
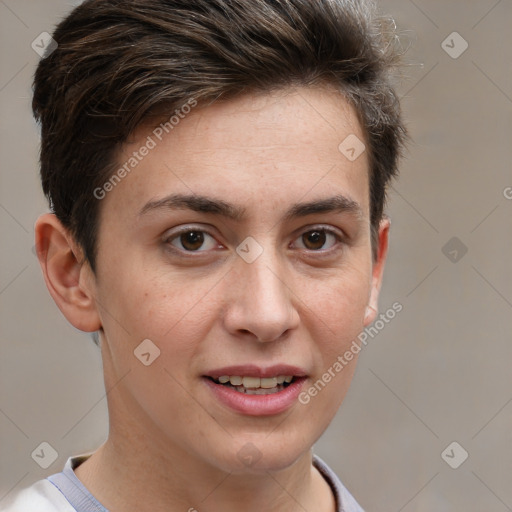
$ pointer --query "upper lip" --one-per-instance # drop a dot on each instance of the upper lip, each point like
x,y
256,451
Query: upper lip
x,y
251,370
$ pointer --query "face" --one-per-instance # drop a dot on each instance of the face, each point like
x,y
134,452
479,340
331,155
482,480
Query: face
x,y
239,246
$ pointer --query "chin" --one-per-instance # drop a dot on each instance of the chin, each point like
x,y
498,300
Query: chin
x,y
261,454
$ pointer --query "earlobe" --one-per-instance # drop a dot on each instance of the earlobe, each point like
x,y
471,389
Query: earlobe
x,y
370,314
378,271
68,278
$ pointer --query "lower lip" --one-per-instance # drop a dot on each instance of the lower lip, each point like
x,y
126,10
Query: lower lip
x,y
257,405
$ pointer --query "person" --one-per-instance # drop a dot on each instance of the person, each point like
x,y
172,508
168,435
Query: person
x,y
216,172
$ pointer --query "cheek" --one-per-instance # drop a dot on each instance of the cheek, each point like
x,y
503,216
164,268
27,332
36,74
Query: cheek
x,y
177,318
335,307
336,319
156,303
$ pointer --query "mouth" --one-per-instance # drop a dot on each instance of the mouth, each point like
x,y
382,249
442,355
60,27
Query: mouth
x,y
255,385
255,391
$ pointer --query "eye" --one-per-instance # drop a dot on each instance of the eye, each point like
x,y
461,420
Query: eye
x,y
316,239
191,240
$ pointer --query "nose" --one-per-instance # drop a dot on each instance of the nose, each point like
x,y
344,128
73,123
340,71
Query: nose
x,y
260,302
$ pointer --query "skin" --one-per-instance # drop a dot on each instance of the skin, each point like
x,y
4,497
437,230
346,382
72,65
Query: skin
x,y
172,446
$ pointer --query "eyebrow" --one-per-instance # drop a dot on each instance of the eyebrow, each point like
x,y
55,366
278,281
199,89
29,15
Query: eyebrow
x,y
203,204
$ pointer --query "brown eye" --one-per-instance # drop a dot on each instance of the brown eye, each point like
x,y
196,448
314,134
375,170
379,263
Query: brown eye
x,y
317,240
314,240
192,240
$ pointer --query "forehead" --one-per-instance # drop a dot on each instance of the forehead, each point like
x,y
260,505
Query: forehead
x,y
261,149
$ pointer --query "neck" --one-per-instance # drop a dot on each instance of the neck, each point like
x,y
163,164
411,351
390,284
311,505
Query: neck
x,y
131,474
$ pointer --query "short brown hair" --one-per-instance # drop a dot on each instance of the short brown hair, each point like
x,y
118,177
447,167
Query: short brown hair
x,y
120,62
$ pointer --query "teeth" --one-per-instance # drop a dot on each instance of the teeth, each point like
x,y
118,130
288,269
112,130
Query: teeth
x,y
269,383
255,382
251,382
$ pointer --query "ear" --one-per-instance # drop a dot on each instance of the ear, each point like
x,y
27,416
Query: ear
x,y
377,271
68,276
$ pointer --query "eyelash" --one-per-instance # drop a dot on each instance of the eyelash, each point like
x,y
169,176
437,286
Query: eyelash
x,y
340,240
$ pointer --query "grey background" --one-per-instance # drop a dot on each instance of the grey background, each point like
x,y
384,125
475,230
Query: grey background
x,y
438,373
